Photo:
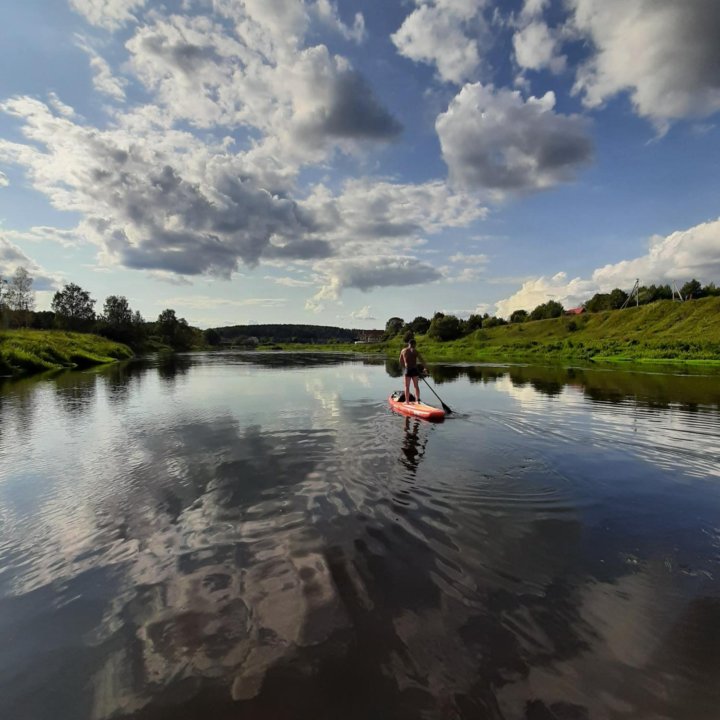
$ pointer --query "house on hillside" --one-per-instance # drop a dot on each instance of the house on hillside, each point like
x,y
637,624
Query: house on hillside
x,y
575,311
368,336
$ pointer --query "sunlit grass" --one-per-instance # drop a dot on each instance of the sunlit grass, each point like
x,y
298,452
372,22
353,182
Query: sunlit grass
x,y
30,351
662,331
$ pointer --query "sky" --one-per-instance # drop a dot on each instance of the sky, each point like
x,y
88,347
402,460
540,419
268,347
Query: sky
x,y
341,162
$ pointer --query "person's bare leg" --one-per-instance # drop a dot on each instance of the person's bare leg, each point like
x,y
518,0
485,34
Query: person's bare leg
x,y
417,388
407,389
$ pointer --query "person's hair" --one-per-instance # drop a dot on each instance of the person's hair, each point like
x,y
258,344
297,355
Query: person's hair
x,y
411,342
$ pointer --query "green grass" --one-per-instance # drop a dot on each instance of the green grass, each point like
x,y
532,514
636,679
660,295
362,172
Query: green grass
x,y
23,352
664,331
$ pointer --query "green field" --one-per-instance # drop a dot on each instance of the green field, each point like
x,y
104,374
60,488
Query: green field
x,y
23,352
662,331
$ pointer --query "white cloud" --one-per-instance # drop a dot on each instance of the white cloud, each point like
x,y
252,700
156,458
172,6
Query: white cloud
x,y
108,14
536,47
678,257
539,290
494,140
103,79
4,182
304,102
206,302
43,233
369,211
533,9
12,257
681,256
288,281
368,273
444,33
364,313
469,259
328,13
665,53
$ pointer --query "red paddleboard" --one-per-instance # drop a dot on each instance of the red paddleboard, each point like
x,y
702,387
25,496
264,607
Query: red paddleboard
x,y
415,409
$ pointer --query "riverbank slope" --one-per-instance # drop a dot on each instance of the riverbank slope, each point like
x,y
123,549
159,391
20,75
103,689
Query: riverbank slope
x,y
23,352
660,332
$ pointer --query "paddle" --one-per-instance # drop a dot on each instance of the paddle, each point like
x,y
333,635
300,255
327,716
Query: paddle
x,y
444,406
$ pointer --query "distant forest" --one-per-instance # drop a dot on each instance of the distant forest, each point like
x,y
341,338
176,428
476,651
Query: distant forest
x,y
286,333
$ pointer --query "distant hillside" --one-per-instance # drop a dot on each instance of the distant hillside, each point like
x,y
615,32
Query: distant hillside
x,y
285,333
660,330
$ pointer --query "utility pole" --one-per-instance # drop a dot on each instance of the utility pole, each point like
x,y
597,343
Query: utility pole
x,y
636,292
675,290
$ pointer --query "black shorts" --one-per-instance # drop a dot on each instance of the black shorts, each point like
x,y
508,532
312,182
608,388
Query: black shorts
x,y
412,372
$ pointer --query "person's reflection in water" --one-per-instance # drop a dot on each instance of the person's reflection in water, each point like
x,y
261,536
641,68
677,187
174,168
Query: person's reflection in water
x,y
413,446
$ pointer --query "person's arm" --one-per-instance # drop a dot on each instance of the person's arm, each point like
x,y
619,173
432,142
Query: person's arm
x,y
421,364
402,358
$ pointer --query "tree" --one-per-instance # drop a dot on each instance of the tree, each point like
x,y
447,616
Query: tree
x,y
550,309
691,290
519,316
711,290
617,299
212,337
392,327
19,297
445,327
473,323
420,325
117,312
4,315
654,292
116,321
73,307
174,331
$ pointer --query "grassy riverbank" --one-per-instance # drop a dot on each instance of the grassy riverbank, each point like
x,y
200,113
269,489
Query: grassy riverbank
x,y
664,331
23,352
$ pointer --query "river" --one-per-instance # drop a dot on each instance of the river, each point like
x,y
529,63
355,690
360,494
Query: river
x,y
248,535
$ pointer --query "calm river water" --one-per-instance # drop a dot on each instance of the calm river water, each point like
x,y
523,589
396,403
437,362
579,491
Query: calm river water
x,y
257,536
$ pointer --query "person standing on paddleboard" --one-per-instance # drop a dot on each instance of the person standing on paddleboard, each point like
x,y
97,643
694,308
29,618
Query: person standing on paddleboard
x,y
410,360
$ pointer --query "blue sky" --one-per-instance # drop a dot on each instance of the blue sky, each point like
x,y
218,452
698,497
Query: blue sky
x,y
342,162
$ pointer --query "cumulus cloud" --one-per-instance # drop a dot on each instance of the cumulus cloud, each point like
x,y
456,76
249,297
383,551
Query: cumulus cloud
x,y
303,101
12,257
4,182
664,53
444,33
328,13
537,47
175,205
368,273
108,14
539,290
494,140
178,203
364,313
678,257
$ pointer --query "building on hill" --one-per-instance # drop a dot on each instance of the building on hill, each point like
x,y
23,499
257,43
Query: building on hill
x,y
368,336
575,311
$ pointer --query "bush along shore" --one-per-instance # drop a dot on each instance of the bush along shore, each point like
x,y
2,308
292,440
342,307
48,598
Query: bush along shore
x,y
23,352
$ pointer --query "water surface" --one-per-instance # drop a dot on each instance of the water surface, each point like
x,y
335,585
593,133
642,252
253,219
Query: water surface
x,y
258,536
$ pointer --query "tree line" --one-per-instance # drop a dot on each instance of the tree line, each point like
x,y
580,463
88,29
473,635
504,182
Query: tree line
x,y
448,327
73,309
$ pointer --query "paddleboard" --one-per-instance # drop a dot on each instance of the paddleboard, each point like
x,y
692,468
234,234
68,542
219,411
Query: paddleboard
x,y
414,409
